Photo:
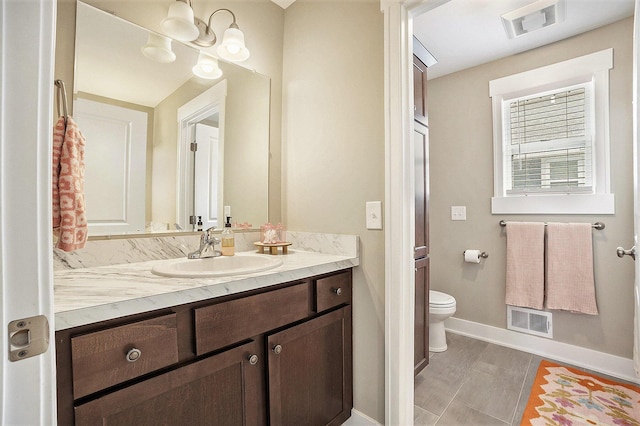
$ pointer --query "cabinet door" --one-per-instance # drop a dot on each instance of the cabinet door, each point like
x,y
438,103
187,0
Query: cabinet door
x,y
225,389
421,324
420,113
310,372
421,161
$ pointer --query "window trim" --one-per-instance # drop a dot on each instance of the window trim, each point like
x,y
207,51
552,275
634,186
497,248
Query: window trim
x,y
593,67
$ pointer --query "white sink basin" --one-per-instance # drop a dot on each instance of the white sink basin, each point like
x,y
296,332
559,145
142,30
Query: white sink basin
x,y
216,266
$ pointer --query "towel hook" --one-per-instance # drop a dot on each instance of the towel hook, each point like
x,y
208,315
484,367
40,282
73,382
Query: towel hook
x,y
61,99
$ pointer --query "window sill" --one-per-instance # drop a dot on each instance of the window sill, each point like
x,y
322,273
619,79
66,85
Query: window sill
x,y
554,204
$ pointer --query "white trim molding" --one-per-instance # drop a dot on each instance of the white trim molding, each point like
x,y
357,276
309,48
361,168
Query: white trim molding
x,y
399,279
601,362
399,206
593,67
28,392
359,419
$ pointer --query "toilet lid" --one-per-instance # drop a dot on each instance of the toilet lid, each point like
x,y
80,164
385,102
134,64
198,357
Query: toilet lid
x,y
437,298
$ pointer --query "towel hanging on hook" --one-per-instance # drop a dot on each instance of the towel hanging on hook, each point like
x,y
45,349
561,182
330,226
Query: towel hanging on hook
x,y
61,100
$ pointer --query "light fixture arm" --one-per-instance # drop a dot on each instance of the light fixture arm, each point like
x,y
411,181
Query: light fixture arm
x,y
233,24
205,27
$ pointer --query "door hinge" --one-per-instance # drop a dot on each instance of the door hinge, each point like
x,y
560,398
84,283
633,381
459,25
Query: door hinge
x,y
193,220
28,337
194,146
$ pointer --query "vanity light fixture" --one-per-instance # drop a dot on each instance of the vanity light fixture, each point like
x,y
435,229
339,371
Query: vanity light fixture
x,y
181,24
207,67
158,48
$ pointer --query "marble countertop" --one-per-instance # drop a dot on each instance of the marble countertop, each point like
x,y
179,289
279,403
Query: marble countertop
x,y
89,295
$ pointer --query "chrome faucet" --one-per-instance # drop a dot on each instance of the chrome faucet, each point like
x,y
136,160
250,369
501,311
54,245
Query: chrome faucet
x,y
207,246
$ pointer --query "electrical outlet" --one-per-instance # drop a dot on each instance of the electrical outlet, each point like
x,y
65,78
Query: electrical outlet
x,y
458,212
374,214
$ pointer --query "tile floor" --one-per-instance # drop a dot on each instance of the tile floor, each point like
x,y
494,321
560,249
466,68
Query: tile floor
x,y
474,383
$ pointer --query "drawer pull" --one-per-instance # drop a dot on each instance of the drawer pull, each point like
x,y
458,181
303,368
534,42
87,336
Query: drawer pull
x,y
337,291
133,355
253,359
277,349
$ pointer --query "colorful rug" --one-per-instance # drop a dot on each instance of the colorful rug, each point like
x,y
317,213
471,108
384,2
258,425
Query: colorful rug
x,y
566,396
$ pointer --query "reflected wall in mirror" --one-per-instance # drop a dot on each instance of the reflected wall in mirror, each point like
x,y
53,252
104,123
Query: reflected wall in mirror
x,y
138,176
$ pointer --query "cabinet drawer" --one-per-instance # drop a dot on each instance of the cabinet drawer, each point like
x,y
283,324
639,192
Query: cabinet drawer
x,y
223,324
99,359
333,291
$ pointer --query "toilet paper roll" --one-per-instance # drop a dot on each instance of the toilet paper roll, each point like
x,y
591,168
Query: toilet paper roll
x,y
472,256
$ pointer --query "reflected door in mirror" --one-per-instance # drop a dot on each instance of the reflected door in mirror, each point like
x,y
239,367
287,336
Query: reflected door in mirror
x,y
115,166
207,176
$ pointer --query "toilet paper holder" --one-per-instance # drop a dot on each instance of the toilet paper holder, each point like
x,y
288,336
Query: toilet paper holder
x,y
483,254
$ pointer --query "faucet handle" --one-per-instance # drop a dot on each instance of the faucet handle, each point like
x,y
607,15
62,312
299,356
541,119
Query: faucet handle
x,y
209,237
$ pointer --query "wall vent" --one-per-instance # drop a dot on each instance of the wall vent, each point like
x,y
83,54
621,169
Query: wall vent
x,y
529,321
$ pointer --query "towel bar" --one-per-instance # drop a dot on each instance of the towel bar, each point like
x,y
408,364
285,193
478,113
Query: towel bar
x,y
597,225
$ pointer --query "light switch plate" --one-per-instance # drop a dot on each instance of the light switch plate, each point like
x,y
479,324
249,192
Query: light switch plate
x,y
458,212
374,214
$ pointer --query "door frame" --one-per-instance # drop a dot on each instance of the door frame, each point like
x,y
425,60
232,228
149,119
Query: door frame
x,y
399,206
211,101
26,273
636,185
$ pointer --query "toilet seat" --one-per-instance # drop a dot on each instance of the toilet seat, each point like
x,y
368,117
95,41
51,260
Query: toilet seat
x,y
441,300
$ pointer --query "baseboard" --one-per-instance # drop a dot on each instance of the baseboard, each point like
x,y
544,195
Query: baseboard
x,y
611,365
359,419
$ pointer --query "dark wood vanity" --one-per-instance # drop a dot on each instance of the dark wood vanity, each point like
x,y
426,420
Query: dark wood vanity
x,y
280,355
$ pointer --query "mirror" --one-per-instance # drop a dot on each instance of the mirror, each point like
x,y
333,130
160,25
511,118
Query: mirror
x,y
140,175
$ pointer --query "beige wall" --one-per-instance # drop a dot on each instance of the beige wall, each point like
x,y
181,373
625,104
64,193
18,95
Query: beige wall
x,y
333,130
462,174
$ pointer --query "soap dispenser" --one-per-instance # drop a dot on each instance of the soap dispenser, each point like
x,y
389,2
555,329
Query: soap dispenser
x,y
228,239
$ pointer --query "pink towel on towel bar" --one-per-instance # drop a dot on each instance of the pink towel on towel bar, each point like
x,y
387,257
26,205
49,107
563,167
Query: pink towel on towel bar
x,y
570,282
69,220
525,264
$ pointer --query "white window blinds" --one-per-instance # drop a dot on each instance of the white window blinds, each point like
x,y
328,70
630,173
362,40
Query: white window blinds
x,y
548,141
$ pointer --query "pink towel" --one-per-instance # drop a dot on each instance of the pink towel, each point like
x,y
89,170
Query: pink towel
x,y
570,282
69,220
525,264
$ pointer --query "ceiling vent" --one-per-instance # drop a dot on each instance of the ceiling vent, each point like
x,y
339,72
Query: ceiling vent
x,y
539,14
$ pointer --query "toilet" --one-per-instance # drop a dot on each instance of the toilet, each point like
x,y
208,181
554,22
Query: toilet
x,y
441,307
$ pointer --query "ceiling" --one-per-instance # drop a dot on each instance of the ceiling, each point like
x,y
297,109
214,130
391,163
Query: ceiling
x,y
104,42
461,34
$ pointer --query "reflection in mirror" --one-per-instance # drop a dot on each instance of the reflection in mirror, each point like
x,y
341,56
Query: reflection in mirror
x,y
141,174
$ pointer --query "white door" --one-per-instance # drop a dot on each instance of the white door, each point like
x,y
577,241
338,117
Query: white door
x,y
207,178
26,284
115,166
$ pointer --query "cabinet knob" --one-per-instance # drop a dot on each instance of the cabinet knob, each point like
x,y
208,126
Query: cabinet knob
x,y
337,291
133,355
277,349
253,359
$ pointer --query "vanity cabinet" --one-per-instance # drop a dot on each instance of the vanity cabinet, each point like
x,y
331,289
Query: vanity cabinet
x,y
281,355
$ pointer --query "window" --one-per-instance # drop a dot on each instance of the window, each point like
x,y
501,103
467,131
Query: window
x,y
551,139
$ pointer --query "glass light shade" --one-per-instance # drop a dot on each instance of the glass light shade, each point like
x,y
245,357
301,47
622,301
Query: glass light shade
x,y
232,47
207,67
179,23
158,48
